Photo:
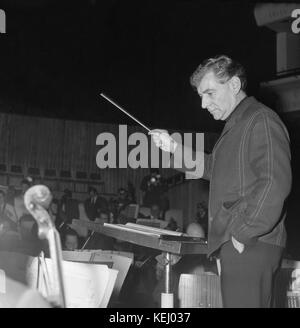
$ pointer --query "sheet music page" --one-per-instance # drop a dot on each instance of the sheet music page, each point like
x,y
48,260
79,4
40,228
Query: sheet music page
x,y
131,229
109,251
121,253
109,288
32,272
77,256
85,284
120,263
147,222
2,282
153,230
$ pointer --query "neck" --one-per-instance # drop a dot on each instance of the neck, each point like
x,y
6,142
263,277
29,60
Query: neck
x,y
240,96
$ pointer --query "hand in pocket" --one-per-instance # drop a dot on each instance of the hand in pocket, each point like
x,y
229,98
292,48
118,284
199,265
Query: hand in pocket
x,y
237,245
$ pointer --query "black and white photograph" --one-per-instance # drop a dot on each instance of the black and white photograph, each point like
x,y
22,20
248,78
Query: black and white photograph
x,y
149,156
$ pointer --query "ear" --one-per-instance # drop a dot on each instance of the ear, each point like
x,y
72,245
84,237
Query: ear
x,y
235,84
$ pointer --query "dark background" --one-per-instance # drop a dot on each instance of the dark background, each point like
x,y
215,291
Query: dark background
x,y
57,56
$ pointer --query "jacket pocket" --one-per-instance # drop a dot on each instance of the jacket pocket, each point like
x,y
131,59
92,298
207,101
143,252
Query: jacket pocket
x,y
225,216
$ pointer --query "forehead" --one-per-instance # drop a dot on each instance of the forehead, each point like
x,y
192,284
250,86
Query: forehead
x,y
208,82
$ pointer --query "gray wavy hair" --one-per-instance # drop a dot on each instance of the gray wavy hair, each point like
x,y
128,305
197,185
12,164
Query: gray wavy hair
x,y
224,69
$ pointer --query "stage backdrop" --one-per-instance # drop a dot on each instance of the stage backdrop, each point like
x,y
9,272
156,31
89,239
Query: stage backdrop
x,y
35,145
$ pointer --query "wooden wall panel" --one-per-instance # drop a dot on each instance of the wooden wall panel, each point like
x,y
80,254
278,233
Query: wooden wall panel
x,y
71,145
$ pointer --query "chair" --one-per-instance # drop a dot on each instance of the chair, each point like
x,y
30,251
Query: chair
x,y
132,211
176,214
287,285
15,175
199,291
3,174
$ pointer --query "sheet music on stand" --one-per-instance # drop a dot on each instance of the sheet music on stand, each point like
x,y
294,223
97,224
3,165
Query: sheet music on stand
x,y
130,255
163,234
87,285
115,261
156,223
143,229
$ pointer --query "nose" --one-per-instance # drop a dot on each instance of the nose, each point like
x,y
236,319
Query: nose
x,y
205,101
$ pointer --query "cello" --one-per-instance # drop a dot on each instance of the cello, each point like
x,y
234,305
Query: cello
x,y
37,200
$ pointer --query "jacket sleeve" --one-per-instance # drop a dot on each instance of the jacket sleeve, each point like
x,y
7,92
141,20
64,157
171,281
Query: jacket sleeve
x,y
268,153
181,161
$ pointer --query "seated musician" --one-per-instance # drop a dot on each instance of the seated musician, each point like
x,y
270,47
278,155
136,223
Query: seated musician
x,y
98,240
7,212
68,210
30,243
155,217
70,240
18,202
9,237
189,264
118,206
141,281
94,204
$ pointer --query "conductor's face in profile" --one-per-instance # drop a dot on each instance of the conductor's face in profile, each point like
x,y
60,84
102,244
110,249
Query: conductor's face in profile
x,y
219,97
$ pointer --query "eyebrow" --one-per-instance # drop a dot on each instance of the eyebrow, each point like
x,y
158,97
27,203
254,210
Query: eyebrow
x,y
206,91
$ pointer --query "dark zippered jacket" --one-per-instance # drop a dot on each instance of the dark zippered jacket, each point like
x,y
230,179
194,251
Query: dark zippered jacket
x,y
250,177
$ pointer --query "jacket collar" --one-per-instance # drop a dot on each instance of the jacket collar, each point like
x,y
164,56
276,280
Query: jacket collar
x,y
235,116
238,112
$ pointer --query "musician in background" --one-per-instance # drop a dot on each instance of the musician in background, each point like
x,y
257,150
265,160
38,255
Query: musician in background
x,y
10,195
98,240
94,204
7,212
54,213
19,205
202,216
30,243
70,240
9,238
68,209
154,188
131,192
155,213
172,225
9,226
118,206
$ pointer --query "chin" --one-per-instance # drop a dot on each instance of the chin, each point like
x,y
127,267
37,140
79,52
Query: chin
x,y
217,117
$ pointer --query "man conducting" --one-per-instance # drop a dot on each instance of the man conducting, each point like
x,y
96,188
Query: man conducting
x,y
250,178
